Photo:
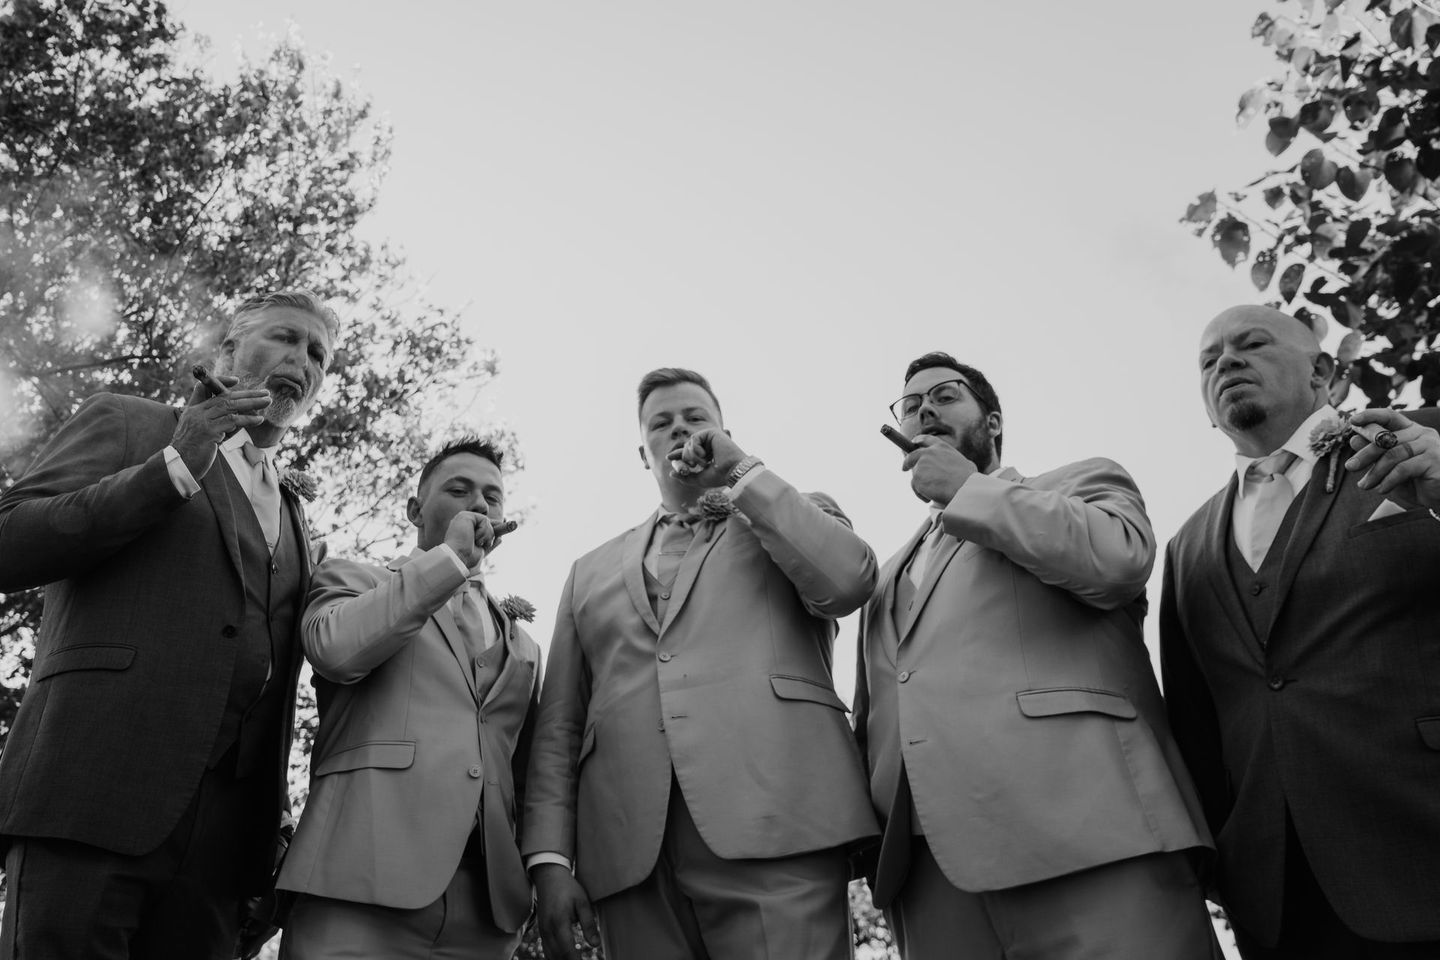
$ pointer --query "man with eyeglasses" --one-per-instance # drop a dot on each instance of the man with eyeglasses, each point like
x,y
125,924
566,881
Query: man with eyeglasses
x,y
1033,801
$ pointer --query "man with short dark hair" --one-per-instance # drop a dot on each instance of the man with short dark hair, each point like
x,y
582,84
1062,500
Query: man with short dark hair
x,y
692,760
1034,804
142,785
1301,657
425,684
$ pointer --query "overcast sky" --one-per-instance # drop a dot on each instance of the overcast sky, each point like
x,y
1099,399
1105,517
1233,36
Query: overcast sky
x,y
798,198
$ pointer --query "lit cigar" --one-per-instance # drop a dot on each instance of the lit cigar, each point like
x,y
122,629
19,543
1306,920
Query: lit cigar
x,y
206,377
509,526
1377,434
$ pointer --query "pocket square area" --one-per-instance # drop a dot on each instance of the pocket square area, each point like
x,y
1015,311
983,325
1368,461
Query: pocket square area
x,y
1387,508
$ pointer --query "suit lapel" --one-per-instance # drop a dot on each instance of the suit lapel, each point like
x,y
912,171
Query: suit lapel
x,y
1215,562
451,631
633,570
943,555
216,484
690,570
512,650
1315,505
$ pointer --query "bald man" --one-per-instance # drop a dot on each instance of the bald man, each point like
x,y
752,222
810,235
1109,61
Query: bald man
x,y
1300,653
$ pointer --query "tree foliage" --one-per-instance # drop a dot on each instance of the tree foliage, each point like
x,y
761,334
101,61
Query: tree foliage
x,y
141,199
1350,230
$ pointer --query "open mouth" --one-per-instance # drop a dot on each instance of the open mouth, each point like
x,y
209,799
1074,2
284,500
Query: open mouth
x,y
286,385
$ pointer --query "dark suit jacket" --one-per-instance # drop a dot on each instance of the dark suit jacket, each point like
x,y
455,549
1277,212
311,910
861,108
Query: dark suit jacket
x,y
1334,711
133,660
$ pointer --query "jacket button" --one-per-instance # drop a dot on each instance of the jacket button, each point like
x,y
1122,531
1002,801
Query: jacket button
x,y
1276,683
664,658
1256,589
904,675
229,632
475,771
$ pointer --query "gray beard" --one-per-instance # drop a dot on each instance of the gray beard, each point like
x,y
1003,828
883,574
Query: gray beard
x,y
282,411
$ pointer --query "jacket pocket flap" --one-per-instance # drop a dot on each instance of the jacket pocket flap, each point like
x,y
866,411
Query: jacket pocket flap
x,y
1429,728
1061,700
385,754
89,656
799,688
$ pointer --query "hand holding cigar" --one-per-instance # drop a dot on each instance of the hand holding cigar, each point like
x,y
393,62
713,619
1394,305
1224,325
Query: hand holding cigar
x,y
202,374
1396,456
215,411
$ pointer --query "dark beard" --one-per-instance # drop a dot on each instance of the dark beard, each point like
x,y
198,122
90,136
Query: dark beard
x,y
978,447
1245,415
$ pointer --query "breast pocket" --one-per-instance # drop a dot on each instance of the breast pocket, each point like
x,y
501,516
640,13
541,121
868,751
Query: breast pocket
x,y
90,656
382,754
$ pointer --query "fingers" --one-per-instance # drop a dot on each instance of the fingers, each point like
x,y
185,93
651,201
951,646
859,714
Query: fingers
x,y
1387,418
557,938
588,926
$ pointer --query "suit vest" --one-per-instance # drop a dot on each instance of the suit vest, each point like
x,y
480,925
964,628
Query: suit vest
x,y
257,704
1256,588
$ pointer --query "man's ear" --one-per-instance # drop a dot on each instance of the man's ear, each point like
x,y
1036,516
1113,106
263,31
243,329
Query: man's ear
x,y
995,423
644,457
412,511
1322,374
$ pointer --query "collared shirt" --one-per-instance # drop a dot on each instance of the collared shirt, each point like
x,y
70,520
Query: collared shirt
x,y
663,516
186,484
1242,516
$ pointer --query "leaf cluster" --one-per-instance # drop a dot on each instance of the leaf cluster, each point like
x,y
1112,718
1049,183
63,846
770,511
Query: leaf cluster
x,y
1352,228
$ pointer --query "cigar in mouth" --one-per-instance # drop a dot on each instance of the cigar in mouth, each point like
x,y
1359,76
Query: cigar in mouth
x,y
199,372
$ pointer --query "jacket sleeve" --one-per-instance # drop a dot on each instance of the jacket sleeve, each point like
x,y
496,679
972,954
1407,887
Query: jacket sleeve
x,y
86,496
553,777
356,618
1189,705
1089,535
811,540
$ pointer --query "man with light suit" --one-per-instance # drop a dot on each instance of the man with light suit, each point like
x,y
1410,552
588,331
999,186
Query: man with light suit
x,y
142,786
407,847
1301,655
692,761
1033,801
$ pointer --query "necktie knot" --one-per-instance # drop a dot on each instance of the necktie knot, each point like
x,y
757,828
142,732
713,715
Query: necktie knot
x,y
1275,465
252,454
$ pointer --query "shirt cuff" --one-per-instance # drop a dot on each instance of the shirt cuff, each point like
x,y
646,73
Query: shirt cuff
x,y
449,551
744,481
180,474
536,859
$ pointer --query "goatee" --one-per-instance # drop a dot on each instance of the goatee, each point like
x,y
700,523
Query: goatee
x,y
1245,415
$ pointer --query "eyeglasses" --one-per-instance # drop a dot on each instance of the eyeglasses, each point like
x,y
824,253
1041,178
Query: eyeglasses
x,y
942,394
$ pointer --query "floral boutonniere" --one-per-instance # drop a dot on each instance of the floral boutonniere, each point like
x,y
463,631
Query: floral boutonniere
x,y
715,505
299,483
1330,435
518,608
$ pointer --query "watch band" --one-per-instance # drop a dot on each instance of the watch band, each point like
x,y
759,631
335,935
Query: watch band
x,y
740,469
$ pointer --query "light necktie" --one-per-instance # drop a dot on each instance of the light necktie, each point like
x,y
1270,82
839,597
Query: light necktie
x,y
676,534
1273,496
264,494
925,551
472,615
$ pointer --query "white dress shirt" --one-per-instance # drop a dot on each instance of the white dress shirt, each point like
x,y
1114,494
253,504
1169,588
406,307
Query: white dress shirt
x,y
1243,513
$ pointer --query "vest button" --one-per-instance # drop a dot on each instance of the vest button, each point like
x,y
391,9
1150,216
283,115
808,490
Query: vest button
x,y
1256,588
664,596
229,632
475,771
1276,683
904,675
665,658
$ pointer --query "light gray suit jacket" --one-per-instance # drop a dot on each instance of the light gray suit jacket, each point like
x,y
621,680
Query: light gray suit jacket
x,y
1017,692
733,692
405,744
